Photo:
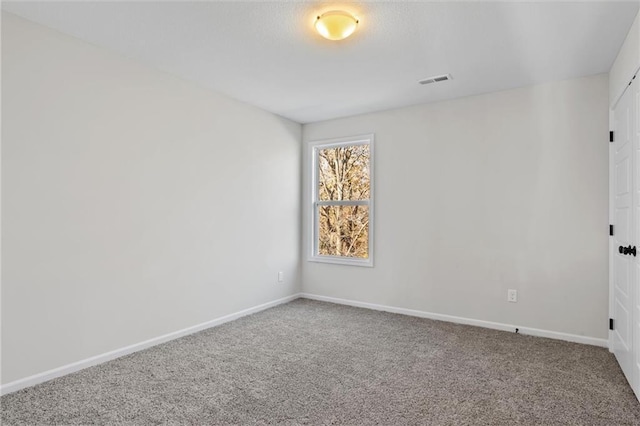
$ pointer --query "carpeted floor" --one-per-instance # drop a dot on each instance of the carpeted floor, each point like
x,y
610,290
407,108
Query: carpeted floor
x,y
310,362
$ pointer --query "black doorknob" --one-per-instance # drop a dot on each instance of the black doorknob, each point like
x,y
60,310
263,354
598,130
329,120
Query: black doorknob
x,y
621,249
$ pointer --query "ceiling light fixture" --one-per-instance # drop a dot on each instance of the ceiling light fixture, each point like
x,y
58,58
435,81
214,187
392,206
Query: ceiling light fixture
x,y
336,25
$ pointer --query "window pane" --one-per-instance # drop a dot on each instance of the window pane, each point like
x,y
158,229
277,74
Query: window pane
x,y
343,173
343,231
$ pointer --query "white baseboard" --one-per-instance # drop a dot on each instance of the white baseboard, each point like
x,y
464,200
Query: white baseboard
x,y
108,356
468,321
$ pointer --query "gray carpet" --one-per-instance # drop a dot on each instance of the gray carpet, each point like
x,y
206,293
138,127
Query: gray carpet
x,y
310,362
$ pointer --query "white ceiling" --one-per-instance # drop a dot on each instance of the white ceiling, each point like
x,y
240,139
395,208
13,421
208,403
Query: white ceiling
x,y
267,53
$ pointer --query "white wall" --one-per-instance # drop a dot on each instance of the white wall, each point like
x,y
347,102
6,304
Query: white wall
x,y
482,194
134,203
626,63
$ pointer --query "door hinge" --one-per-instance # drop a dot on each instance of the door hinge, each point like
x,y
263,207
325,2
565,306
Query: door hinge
x,y
610,323
610,229
611,136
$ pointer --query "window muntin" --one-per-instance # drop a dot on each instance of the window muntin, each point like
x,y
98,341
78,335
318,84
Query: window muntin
x,y
342,201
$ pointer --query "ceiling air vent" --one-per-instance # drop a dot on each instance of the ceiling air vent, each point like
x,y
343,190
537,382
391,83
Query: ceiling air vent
x,y
435,79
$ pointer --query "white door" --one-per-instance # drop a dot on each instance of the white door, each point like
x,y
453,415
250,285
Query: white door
x,y
626,294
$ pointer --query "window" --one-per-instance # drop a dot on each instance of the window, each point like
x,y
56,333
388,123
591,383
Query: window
x,y
342,201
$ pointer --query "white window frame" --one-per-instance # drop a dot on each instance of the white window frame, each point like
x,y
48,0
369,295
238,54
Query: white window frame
x,y
314,147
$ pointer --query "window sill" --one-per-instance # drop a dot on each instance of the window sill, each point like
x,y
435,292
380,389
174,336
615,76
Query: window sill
x,y
367,263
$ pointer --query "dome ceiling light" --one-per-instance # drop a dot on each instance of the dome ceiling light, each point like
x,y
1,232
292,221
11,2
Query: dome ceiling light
x,y
336,24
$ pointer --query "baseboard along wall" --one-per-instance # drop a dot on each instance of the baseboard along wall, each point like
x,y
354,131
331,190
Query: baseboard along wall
x,y
108,356
461,320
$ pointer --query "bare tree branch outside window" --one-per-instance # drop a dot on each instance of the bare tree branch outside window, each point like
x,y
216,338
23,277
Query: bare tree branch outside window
x,y
343,175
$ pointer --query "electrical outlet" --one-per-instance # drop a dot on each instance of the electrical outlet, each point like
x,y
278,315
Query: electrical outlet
x,y
280,276
512,295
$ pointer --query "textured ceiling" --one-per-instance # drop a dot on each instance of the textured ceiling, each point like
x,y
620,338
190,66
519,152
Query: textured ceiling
x,y
267,54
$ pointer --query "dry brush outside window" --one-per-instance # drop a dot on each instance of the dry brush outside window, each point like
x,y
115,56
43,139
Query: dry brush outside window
x,y
342,201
